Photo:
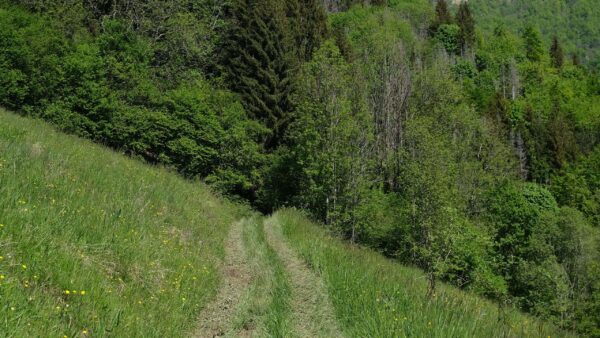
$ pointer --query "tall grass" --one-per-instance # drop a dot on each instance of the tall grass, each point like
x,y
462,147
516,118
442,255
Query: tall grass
x,y
377,297
95,244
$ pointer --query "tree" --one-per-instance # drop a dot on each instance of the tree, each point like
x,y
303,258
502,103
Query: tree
x,y
330,141
442,16
465,21
557,56
308,25
257,62
533,44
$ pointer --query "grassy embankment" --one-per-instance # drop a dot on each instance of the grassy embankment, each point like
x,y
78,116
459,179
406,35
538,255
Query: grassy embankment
x,y
93,243
377,297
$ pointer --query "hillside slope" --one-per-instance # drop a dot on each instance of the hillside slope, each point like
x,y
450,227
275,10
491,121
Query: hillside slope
x,y
576,23
93,243
376,297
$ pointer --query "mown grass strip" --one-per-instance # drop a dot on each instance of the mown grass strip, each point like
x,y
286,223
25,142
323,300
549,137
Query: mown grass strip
x,y
312,313
267,309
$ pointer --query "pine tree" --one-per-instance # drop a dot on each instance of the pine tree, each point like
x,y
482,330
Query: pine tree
x,y
575,59
465,21
257,62
308,26
442,16
556,54
533,44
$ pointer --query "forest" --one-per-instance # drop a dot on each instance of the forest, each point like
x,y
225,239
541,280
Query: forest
x,y
457,138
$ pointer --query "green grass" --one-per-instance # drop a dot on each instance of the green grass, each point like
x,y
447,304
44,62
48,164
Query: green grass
x,y
377,297
267,309
136,247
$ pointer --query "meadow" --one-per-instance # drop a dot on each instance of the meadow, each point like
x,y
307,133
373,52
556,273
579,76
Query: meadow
x,y
96,244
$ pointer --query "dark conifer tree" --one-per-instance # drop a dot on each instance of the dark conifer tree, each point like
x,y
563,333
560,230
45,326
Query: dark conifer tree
x,y
533,44
556,54
257,62
308,26
442,16
575,59
465,21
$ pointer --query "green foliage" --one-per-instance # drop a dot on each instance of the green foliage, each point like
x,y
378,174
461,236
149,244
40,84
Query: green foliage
x,y
557,56
533,44
449,36
442,16
464,20
575,23
103,87
395,124
257,62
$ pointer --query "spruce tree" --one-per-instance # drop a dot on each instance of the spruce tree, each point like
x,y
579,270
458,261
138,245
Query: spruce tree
x,y
533,44
308,26
257,62
575,59
465,21
442,16
556,54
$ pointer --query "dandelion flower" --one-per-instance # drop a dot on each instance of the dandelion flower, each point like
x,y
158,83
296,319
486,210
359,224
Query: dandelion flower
x,y
67,292
1,225
24,266
2,277
12,308
82,292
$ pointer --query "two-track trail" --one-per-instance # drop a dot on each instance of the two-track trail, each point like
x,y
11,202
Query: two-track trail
x,y
267,290
312,313
216,319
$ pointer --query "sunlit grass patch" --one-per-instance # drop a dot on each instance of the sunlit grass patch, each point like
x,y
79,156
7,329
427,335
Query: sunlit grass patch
x,y
95,244
376,297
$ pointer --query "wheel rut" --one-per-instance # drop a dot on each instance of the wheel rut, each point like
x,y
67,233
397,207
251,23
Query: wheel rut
x,y
217,317
312,312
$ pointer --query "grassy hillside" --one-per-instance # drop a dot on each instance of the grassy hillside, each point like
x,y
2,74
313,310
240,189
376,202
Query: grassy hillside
x,y
376,297
93,243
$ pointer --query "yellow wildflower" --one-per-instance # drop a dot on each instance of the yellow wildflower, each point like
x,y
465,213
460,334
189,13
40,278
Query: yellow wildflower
x,y
24,266
67,292
82,292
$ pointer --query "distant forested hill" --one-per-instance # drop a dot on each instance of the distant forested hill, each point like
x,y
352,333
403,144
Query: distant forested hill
x,y
576,22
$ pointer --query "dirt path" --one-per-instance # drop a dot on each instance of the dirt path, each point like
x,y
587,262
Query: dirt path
x,y
313,314
217,318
